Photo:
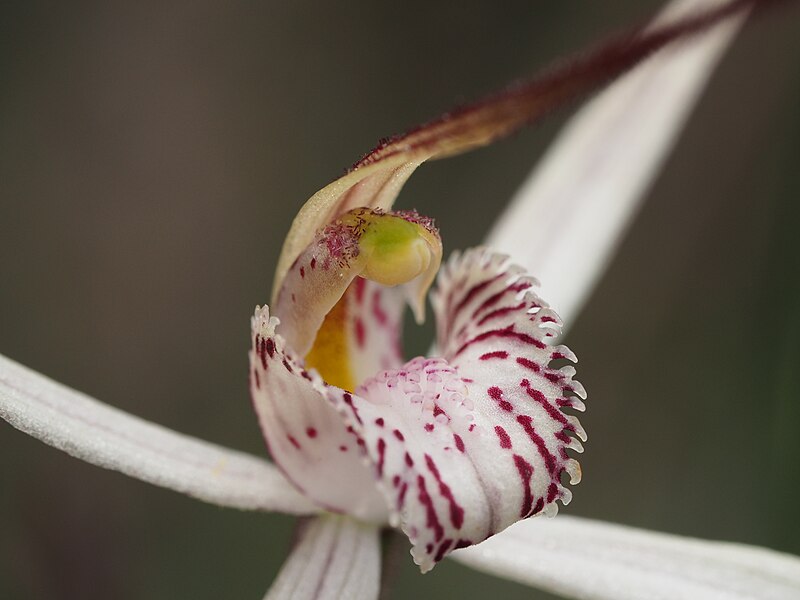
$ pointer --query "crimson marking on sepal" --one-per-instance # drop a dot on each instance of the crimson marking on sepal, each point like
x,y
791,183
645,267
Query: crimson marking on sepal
x,y
554,413
474,291
409,460
399,435
508,332
552,492
528,364
381,455
311,432
501,312
502,354
294,442
401,496
549,459
505,440
494,299
456,511
496,394
348,399
377,311
269,345
361,333
257,379
525,470
432,521
459,442
443,548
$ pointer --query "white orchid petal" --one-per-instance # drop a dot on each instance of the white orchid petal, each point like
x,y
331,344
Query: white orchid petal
x,y
335,559
306,437
567,219
465,445
592,560
109,438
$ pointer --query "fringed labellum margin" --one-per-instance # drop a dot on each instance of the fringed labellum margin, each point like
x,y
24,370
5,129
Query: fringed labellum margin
x,y
452,449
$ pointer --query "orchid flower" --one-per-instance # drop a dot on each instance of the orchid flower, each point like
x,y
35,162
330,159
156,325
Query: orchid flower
x,y
459,449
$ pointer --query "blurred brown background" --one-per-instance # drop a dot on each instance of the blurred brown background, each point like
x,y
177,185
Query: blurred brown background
x,y
152,157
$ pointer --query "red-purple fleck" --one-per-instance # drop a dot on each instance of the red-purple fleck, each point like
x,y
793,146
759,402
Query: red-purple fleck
x,y
506,333
381,455
528,364
398,434
432,520
381,317
302,272
443,548
348,399
549,459
554,413
313,263
525,470
459,442
552,492
428,427
311,432
496,394
492,300
361,334
257,379
456,511
401,496
342,448
502,435
496,354
294,442
409,460
502,312
269,345
379,422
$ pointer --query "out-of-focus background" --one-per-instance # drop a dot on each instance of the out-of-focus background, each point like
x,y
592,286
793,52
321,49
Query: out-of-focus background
x,y
152,157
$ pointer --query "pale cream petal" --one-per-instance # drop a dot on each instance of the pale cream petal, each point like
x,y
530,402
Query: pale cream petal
x,y
336,559
568,218
593,560
110,438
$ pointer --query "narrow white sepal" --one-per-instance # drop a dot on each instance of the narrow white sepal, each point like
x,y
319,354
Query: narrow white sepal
x,y
337,558
110,438
565,222
593,560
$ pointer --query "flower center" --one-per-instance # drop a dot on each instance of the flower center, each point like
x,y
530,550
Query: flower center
x,y
323,313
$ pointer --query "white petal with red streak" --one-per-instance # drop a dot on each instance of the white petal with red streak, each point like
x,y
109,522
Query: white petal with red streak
x,y
374,322
306,437
467,445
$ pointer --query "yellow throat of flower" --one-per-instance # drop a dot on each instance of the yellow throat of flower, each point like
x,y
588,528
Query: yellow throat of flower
x,y
393,249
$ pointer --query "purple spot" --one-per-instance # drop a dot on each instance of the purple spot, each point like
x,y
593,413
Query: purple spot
x,y
525,471
502,435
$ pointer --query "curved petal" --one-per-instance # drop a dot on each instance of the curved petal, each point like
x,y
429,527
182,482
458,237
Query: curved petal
x,y
400,248
335,559
592,560
567,219
306,437
466,446
376,180
109,438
